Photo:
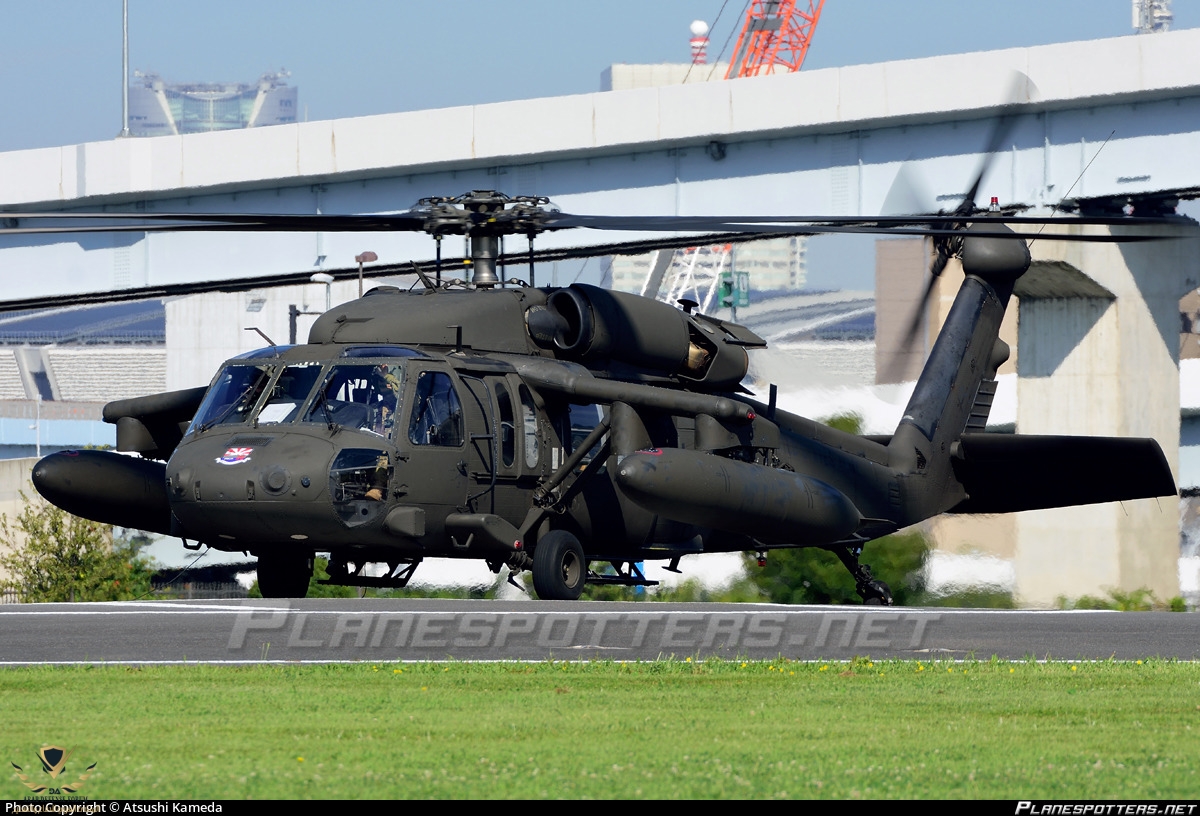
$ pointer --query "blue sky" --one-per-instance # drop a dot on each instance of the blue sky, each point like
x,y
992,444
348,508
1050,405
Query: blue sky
x,y
61,63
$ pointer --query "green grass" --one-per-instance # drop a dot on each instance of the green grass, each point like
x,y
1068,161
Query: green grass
x,y
664,729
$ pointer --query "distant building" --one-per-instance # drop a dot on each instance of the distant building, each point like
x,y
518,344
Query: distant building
x,y
773,264
158,108
623,77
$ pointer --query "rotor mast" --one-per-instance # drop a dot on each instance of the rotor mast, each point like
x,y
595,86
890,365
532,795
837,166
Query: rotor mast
x,y
485,216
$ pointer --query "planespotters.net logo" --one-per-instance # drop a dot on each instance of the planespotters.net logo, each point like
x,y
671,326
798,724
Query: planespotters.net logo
x,y
54,765
1025,808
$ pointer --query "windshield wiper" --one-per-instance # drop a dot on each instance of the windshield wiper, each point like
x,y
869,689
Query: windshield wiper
x,y
323,401
237,403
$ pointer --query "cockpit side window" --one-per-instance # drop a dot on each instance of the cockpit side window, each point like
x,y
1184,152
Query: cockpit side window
x,y
362,397
437,416
232,396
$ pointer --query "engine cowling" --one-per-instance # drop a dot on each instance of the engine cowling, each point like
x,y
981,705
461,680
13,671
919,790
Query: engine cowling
x,y
589,324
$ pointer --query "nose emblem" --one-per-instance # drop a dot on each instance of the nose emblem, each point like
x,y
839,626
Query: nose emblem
x,y
235,456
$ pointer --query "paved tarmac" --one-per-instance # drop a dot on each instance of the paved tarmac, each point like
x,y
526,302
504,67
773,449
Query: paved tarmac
x,y
339,630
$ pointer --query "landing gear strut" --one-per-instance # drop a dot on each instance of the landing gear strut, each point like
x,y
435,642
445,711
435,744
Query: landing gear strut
x,y
343,572
873,592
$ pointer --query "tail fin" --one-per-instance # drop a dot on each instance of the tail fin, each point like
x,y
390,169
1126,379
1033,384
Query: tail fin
x,y
955,388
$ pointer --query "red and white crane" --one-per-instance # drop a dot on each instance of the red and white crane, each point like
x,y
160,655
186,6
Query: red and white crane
x,y
775,37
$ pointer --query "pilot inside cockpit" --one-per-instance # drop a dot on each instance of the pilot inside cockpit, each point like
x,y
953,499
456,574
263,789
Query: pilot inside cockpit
x,y
363,397
384,394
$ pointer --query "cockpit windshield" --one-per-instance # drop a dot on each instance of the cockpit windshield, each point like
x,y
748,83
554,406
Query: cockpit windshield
x,y
362,397
289,392
232,396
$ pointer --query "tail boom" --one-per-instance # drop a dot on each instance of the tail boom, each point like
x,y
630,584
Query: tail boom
x,y
954,387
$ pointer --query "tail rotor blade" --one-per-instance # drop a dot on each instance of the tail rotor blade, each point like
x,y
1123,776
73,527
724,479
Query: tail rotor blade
x,y
946,247
1021,89
908,194
895,372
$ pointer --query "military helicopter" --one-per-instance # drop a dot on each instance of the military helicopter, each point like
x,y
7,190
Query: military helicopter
x,y
567,430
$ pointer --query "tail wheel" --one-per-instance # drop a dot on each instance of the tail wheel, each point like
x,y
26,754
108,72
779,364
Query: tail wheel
x,y
559,567
284,574
877,593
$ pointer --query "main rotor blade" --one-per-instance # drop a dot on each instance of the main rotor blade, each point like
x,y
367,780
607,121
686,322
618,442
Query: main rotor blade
x,y
448,265
767,230
557,221
415,220
209,222
701,230
938,265
522,223
203,227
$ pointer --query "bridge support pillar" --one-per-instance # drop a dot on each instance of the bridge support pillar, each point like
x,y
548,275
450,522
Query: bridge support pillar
x,y
1098,331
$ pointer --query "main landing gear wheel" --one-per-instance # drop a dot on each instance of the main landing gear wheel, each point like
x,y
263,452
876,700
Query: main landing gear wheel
x,y
559,567
284,575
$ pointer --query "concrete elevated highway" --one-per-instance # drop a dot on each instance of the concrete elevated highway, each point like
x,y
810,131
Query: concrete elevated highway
x,y
1103,121
1101,124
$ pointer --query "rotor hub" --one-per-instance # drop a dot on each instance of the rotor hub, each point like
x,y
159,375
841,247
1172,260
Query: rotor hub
x,y
485,216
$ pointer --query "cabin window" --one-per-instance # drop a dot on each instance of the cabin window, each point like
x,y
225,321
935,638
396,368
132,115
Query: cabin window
x,y
530,423
508,427
584,419
437,416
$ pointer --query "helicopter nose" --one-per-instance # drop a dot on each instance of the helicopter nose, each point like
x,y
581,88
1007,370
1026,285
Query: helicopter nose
x,y
106,487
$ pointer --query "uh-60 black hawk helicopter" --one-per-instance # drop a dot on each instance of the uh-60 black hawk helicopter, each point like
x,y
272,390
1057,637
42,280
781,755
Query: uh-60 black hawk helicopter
x,y
444,421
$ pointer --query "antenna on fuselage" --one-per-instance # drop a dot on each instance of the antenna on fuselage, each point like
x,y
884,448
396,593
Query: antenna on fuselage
x,y
425,281
263,335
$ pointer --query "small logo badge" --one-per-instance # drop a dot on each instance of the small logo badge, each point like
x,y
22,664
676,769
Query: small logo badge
x,y
54,762
235,456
